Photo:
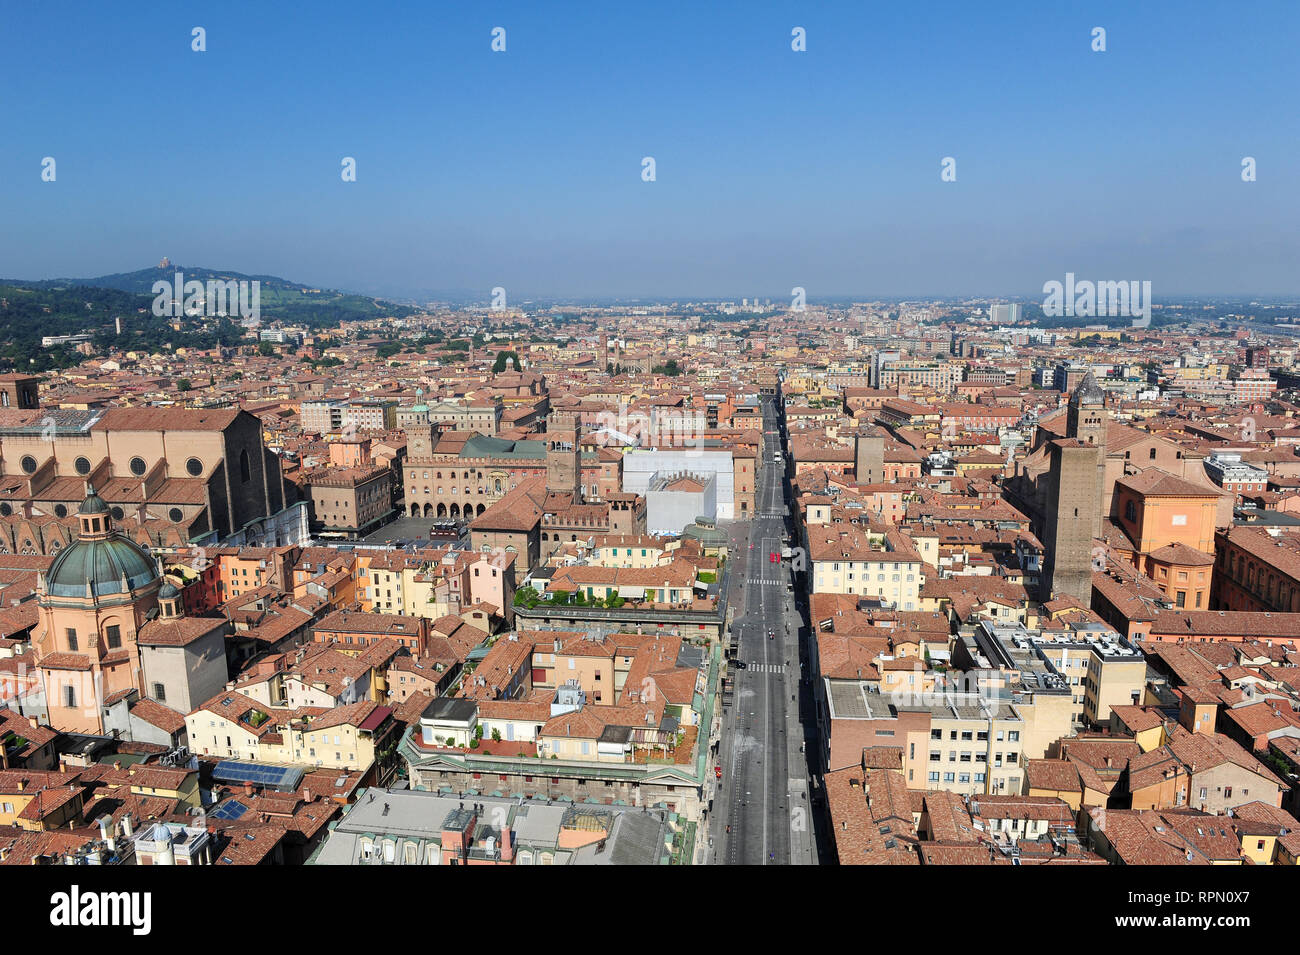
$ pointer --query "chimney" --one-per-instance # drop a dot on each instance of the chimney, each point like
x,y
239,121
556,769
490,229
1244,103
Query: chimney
x,y
106,832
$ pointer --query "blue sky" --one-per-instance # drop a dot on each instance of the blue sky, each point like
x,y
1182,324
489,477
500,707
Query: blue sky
x,y
774,168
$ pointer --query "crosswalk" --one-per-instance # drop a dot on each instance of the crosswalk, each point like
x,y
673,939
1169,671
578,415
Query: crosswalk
x,y
764,668
772,581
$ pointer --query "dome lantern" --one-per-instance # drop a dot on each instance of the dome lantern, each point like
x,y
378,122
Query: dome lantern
x,y
101,562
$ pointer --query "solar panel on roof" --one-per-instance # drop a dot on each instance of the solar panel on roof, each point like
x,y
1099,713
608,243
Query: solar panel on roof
x,y
260,774
228,810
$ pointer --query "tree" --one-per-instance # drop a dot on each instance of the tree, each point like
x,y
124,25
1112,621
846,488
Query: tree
x,y
183,384
503,359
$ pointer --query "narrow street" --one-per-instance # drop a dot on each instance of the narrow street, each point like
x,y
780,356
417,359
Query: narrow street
x,y
764,793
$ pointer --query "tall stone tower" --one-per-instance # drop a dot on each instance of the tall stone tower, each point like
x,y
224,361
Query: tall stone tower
x,y
419,441
1075,486
1086,418
563,456
1087,422
869,455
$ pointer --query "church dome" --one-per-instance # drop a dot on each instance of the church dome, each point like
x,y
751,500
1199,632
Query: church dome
x,y
103,560
102,564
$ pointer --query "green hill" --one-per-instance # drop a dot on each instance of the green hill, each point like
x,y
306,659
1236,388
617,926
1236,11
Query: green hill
x,y
31,310
281,300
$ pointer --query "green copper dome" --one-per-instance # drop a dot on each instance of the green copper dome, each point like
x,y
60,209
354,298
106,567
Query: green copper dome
x,y
93,504
102,564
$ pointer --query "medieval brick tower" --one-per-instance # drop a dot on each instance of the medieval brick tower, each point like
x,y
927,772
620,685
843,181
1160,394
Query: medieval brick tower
x,y
1075,489
869,455
1087,422
563,456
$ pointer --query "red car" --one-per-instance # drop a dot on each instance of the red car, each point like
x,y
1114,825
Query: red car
x,y
717,772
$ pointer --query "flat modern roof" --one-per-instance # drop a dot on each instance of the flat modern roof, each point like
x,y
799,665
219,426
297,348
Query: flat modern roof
x,y
450,708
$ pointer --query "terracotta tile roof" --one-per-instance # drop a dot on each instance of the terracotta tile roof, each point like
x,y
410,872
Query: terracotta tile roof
x,y
1154,482
871,817
251,846
156,714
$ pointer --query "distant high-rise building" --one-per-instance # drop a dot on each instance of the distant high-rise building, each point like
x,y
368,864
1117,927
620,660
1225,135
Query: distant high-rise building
x,y
1005,314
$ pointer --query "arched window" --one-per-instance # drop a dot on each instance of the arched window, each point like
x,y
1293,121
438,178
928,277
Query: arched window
x,y
245,471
